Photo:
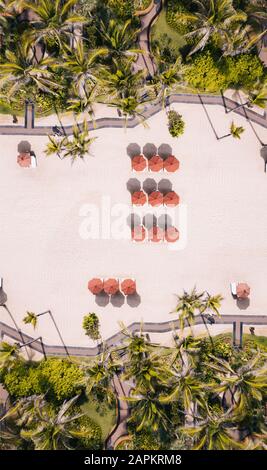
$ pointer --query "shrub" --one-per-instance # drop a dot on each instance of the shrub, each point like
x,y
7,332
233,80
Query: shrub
x,y
23,380
244,70
176,124
145,440
205,74
91,326
59,377
174,7
63,378
93,438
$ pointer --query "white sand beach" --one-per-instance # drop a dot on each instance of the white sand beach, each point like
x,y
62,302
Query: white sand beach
x,y
46,264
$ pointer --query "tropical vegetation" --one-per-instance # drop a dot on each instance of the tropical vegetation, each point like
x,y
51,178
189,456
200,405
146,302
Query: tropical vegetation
x,y
198,393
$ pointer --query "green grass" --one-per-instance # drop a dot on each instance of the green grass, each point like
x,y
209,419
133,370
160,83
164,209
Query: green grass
x,y
248,340
161,27
102,414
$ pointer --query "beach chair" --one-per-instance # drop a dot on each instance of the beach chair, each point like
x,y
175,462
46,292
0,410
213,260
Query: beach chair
x,y
33,160
233,288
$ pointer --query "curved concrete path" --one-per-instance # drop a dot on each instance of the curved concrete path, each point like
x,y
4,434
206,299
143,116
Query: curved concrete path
x,y
56,350
145,60
122,389
149,111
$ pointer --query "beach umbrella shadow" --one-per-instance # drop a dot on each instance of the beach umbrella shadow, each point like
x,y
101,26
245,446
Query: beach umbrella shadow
x,y
133,149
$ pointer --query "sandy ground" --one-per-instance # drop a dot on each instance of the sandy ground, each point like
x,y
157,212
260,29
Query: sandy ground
x,y
46,264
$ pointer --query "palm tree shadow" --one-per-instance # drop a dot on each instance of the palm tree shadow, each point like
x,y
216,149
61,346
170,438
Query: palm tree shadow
x,y
263,153
208,117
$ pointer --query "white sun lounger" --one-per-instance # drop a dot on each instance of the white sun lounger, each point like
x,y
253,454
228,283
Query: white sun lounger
x,y
233,288
33,161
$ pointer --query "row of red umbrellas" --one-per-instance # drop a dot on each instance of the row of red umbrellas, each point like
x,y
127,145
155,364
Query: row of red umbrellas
x,y
155,163
155,234
111,286
156,198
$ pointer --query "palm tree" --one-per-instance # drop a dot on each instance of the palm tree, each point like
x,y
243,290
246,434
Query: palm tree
x,y
77,147
53,19
188,306
119,81
242,384
147,412
83,104
137,346
54,430
130,107
55,146
81,142
119,39
240,40
187,387
213,431
167,77
81,64
100,375
148,373
235,132
31,318
256,14
212,17
255,98
9,353
20,71
10,438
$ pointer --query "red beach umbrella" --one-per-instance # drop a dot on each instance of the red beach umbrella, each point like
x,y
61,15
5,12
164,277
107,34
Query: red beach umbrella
x,y
155,163
139,163
24,160
171,234
111,286
128,286
171,164
171,199
155,198
139,233
156,234
242,290
95,285
139,198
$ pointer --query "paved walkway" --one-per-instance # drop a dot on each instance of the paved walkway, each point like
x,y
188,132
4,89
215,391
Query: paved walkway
x,y
236,320
122,389
145,61
149,111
